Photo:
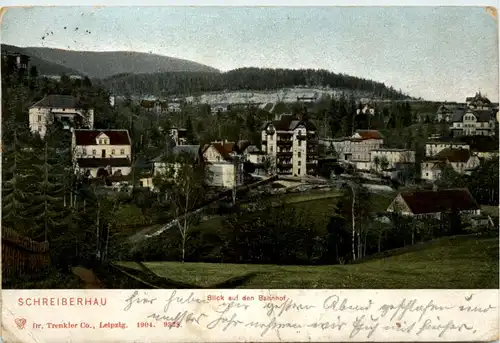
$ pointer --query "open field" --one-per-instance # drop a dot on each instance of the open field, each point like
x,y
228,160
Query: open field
x,y
452,262
319,204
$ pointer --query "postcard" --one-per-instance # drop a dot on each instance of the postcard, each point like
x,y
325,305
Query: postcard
x,y
250,174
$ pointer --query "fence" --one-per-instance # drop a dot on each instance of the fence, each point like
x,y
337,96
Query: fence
x,y
22,255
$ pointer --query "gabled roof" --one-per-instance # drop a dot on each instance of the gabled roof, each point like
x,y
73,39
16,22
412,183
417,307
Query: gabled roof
x,y
103,162
178,150
289,122
60,101
481,115
453,155
430,201
457,115
88,137
225,149
370,134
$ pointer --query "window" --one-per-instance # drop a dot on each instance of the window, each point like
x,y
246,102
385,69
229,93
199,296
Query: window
x,y
94,151
112,151
271,149
298,155
39,118
101,141
84,152
39,129
299,163
122,151
299,171
426,174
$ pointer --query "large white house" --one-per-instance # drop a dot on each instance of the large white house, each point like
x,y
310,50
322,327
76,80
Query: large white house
x,y
63,108
102,152
291,144
471,122
356,150
224,164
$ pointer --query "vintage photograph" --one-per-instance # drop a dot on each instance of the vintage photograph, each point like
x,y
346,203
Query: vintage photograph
x,y
250,147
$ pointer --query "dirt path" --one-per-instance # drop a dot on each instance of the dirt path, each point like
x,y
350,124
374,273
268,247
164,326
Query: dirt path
x,y
88,277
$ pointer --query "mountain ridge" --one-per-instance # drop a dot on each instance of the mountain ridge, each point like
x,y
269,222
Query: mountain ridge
x,y
103,64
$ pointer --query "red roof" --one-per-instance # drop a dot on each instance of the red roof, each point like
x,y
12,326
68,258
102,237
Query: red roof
x,y
430,201
370,134
88,137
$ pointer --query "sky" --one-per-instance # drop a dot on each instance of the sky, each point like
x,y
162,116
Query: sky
x,y
437,53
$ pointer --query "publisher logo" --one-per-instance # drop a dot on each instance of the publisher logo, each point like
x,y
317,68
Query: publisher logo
x,y
21,323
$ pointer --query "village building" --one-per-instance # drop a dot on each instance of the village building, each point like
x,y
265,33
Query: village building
x,y
392,157
356,150
291,145
156,106
433,203
170,161
252,154
224,164
461,160
444,113
434,146
220,108
63,108
16,61
179,136
478,102
473,122
101,153
367,108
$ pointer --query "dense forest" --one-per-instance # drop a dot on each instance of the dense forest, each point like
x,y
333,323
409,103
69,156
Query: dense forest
x,y
258,79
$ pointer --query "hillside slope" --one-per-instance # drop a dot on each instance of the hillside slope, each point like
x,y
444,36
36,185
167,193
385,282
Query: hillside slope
x,y
43,66
247,79
101,64
449,262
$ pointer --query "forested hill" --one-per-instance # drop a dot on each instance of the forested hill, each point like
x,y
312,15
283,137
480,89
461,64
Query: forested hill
x,y
256,79
99,64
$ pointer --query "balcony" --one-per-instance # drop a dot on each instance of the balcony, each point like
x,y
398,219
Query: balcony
x,y
285,142
284,154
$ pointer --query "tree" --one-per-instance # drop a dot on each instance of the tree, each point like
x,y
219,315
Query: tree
x,y
269,164
190,131
49,191
15,172
484,182
184,180
384,164
451,179
376,162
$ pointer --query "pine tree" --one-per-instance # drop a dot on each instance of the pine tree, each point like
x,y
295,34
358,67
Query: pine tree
x,y
190,131
49,190
14,185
